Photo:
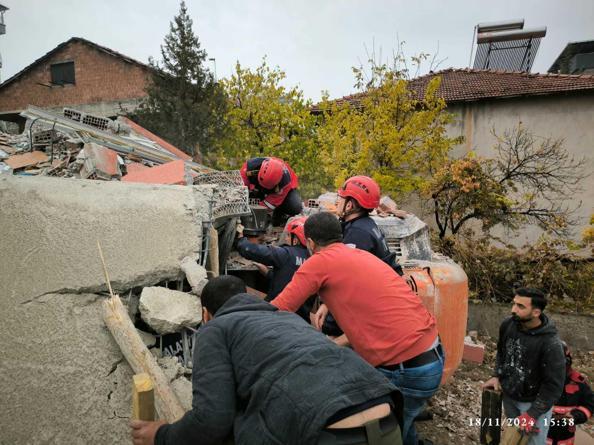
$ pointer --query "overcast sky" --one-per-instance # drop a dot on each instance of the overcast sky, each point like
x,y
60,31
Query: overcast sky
x,y
315,42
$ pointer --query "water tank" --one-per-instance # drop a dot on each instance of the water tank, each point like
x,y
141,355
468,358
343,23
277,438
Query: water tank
x,y
441,284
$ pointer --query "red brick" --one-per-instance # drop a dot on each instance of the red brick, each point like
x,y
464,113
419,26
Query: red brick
x,y
169,173
473,352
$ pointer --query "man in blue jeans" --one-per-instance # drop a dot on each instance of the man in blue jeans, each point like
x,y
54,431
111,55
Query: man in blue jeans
x,y
382,318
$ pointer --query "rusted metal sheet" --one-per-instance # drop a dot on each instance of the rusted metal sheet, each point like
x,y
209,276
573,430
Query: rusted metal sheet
x,y
26,160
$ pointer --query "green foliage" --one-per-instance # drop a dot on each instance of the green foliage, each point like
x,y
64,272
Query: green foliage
x,y
266,118
391,135
551,264
185,105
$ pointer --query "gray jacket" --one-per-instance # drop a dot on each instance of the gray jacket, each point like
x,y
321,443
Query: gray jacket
x,y
267,377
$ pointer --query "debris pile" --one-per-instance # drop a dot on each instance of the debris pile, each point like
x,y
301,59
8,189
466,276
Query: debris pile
x,y
78,145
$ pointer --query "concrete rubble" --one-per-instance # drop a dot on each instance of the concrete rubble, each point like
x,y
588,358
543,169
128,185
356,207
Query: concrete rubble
x,y
195,274
168,311
64,379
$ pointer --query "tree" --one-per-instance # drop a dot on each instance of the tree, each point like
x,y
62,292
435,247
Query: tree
x,y
185,105
392,134
267,119
526,181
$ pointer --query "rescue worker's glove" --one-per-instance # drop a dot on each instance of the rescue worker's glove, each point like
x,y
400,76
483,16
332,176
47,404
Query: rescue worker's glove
x,y
527,424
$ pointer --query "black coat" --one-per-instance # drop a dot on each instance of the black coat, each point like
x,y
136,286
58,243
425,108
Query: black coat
x,y
531,364
269,378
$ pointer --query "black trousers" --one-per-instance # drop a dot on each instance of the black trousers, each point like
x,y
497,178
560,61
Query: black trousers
x,y
291,206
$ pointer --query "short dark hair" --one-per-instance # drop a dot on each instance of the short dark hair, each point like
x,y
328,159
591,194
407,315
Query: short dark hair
x,y
323,228
218,290
537,297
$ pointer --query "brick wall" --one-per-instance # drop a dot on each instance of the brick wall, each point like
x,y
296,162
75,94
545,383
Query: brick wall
x,y
99,77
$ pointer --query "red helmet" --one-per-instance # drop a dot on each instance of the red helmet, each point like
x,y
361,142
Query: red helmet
x,y
271,173
362,189
295,227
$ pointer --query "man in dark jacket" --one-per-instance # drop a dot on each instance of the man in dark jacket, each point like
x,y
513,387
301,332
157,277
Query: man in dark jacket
x,y
530,365
575,406
263,376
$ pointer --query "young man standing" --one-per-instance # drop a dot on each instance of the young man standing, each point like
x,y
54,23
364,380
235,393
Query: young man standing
x,y
262,376
530,365
384,321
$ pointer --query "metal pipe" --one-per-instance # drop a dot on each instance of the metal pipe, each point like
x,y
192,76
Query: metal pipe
x,y
486,37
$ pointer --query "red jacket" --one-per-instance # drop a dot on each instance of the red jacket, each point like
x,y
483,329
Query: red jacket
x,y
386,322
269,198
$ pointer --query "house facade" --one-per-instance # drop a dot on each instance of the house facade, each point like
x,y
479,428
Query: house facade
x,y
548,105
79,74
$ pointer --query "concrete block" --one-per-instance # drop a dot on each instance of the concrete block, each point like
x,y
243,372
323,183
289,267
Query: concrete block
x,y
168,311
473,351
170,173
101,162
182,388
50,228
195,274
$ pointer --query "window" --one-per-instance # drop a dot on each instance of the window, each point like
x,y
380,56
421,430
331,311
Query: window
x,y
62,73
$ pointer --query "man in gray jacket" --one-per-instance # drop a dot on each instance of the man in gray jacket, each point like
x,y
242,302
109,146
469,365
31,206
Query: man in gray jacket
x,y
263,376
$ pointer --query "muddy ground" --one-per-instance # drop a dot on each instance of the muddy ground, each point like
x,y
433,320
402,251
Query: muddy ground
x,y
458,402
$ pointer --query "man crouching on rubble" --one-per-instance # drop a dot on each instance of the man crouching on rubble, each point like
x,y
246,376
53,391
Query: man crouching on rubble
x,y
529,366
264,376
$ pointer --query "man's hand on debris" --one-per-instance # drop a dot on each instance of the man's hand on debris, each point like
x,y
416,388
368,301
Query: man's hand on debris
x,y
261,268
143,432
493,383
527,424
317,319
239,231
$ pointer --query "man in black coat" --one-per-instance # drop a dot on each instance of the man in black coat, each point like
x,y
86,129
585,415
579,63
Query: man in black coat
x,y
530,365
263,376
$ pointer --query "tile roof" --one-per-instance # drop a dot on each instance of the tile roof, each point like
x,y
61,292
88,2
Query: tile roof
x,y
68,42
464,85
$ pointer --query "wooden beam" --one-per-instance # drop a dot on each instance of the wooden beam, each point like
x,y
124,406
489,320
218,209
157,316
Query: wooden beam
x,y
212,261
140,359
491,417
143,397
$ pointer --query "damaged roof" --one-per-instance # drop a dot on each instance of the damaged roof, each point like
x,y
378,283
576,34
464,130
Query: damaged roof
x,y
466,85
62,45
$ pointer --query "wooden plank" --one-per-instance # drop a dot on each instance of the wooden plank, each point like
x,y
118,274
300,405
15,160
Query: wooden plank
x,y
513,436
143,397
212,261
140,358
26,160
491,417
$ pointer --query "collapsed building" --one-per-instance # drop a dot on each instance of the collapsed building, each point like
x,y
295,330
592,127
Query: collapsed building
x,y
73,181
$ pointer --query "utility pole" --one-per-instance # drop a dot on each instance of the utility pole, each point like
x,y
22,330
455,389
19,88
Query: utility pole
x,y
214,62
2,28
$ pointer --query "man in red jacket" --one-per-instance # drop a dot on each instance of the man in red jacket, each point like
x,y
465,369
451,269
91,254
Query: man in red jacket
x,y
274,183
384,321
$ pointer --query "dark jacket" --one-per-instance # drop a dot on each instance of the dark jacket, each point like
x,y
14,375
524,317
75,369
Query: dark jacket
x,y
578,399
531,364
269,378
363,233
284,259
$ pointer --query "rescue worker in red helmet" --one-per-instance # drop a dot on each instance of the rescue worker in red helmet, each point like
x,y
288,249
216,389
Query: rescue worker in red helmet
x,y
274,183
574,407
284,259
357,197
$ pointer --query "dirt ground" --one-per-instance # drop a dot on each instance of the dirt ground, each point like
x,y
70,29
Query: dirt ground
x,y
458,402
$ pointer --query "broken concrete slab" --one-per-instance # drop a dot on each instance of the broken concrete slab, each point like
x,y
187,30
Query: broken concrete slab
x,y
64,379
195,274
182,388
168,311
100,162
149,340
26,160
51,227
171,367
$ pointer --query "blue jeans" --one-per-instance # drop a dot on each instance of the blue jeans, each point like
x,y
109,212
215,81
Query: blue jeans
x,y
417,386
513,409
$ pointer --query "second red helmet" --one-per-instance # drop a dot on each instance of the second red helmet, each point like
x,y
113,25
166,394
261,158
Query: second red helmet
x,y
362,189
296,227
271,173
